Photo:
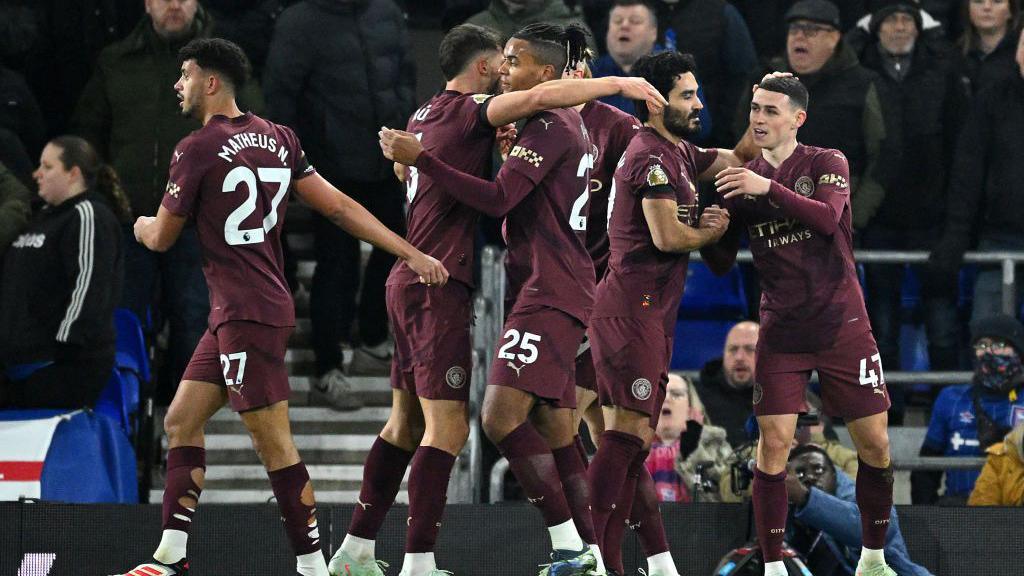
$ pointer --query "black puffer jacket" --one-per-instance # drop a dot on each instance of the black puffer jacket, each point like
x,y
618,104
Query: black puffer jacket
x,y
337,71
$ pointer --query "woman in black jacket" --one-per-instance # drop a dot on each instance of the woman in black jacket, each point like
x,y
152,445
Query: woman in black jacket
x,y
61,281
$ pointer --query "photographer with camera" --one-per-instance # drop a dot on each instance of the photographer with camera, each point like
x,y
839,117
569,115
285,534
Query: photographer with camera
x,y
825,525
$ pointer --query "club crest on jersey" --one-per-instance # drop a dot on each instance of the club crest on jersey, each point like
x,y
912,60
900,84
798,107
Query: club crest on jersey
x,y
656,176
804,186
455,377
758,392
526,154
642,388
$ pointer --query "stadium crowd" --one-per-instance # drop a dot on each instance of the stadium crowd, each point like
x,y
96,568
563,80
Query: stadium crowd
x,y
924,98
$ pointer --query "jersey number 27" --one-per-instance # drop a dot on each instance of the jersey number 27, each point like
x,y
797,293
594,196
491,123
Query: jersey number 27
x,y
234,235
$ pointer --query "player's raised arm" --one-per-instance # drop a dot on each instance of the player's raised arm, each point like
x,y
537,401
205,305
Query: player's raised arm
x,y
492,198
513,106
745,151
352,217
160,232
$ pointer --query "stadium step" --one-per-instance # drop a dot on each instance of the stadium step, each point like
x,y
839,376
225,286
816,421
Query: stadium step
x,y
256,496
311,420
372,390
314,448
247,478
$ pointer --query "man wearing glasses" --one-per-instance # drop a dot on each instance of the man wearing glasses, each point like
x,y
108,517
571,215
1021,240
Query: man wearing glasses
x,y
968,419
845,112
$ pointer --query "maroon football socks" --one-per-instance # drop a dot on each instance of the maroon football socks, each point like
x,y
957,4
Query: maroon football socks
x,y
428,489
770,508
577,490
534,467
611,544
645,517
294,493
186,470
607,474
874,498
578,443
382,477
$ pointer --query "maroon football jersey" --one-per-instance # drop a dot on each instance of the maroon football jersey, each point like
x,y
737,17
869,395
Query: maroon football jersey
x,y
610,131
547,262
642,281
810,293
232,177
450,125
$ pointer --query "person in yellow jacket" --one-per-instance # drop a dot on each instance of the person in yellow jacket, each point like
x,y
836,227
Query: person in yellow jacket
x,y
1002,479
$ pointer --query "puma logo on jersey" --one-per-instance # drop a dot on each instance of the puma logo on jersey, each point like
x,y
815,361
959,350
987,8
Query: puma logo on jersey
x,y
236,388
546,123
514,367
177,155
878,391
363,504
656,157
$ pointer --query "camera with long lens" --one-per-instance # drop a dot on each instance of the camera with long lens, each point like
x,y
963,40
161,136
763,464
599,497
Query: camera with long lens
x,y
741,468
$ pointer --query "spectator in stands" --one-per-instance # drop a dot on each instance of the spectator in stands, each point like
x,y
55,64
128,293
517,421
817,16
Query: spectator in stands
x,y
715,33
725,385
704,456
967,419
632,33
1001,482
917,94
675,428
20,114
508,16
845,112
14,208
767,22
337,71
250,24
826,521
986,190
986,47
130,113
61,282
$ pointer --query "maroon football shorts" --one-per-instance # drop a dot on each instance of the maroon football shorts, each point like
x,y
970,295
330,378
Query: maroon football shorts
x,y
248,358
586,376
537,354
433,351
631,358
852,381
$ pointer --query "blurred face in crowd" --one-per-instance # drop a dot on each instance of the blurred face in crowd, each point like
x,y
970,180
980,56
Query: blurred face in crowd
x,y
814,469
1020,52
989,16
190,90
809,45
676,410
898,33
740,352
631,34
523,6
520,69
682,115
172,19
56,183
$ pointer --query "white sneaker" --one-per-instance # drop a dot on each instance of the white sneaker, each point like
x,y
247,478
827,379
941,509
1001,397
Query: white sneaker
x,y
335,388
366,361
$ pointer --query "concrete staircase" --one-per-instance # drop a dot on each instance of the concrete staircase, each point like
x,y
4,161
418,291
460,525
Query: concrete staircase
x,y
333,444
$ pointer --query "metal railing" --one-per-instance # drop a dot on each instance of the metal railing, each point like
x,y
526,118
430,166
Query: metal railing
x,y
490,314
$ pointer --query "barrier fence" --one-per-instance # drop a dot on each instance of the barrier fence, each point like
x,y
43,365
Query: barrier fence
x,y
40,539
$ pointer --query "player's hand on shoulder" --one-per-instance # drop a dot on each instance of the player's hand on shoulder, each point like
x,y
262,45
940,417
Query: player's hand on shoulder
x,y
399,146
505,136
715,219
140,224
775,74
640,89
429,269
737,180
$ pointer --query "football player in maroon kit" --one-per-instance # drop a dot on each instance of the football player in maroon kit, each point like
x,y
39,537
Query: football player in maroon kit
x,y
231,178
794,203
653,225
428,424
542,191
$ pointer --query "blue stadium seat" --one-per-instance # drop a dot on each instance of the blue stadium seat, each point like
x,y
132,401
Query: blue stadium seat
x,y
115,402
697,341
131,344
910,291
913,348
968,274
120,399
710,297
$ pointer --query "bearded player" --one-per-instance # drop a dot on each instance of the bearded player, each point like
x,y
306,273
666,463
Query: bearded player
x,y
794,203
232,177
653,225
428,424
